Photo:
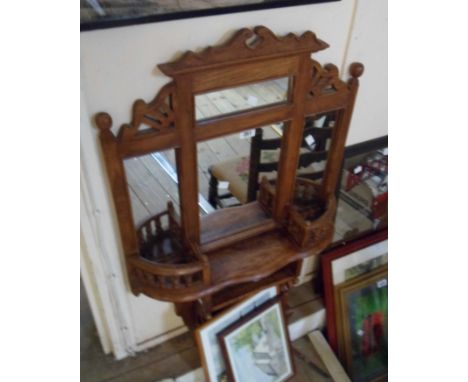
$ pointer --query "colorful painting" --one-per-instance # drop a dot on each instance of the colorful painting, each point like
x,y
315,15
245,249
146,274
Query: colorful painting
x,y
258,349
364,308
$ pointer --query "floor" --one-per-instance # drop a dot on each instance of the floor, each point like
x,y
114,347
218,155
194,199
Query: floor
x,y
179,355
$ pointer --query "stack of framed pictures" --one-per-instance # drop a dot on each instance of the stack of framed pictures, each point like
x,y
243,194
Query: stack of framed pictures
x,y
249,341
355,291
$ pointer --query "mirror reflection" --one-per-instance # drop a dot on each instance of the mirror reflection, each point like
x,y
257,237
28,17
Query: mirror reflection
x,y
152,183
363,194
316,142
232,100
232,166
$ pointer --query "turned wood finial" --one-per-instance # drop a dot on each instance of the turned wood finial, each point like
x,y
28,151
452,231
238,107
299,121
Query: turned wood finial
x,y
103,121
331,68
356,69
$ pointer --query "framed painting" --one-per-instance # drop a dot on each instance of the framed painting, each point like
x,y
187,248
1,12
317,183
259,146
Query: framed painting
x,y
257,347
98,14
362,310
206,335
344,263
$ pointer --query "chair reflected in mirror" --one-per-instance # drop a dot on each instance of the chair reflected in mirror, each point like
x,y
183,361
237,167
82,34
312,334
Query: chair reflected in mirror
x,y
235,182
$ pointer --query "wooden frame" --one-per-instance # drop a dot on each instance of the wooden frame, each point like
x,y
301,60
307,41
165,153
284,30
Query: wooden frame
x,y
206,334
211,262
148,16
371,342
327,260
275,307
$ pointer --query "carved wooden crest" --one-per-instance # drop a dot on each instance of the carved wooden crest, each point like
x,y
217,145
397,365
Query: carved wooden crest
x,y
258,43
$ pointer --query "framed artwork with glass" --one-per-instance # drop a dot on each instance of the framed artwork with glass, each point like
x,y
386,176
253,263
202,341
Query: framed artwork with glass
x,y
257,347
207,335
362,311
355,292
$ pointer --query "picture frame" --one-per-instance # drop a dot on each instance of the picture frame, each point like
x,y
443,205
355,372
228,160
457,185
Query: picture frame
x,y
97,15
257,347
206,335
362,311
343,263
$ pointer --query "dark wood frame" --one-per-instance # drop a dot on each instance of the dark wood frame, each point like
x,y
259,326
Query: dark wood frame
x,y
113,23
234,251
226,312
279,300
344,335
328,288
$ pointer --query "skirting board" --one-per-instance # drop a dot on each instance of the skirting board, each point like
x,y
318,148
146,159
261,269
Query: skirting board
x,y
315,320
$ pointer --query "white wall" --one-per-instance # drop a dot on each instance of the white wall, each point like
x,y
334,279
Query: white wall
x,y
368,44
119,65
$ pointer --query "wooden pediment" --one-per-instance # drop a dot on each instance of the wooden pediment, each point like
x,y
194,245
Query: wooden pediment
x,y
245,45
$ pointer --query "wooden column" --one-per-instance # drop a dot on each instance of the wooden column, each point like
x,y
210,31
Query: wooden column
x,y
118,184
292,139
187,159
340,132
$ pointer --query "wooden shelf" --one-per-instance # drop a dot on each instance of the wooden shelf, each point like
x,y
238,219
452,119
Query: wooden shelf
x,y
231,295
229,225
253,259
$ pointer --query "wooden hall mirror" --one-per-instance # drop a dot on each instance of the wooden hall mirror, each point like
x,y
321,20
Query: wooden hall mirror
x,y
205,262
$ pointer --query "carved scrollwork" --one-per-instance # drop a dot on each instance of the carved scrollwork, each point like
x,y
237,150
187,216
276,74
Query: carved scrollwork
x,y
158,114
245,44
325,80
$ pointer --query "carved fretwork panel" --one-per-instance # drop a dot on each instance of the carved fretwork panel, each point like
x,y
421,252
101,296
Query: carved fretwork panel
x,y
259,42
325,80
158,115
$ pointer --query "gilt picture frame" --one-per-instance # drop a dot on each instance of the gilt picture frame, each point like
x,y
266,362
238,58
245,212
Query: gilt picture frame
x,y
257,347
362,312
343,263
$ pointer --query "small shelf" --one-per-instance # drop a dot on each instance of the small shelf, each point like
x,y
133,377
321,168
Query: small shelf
x,y
229,225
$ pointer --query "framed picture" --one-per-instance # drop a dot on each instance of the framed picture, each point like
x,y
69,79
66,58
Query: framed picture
x,y
206,335
257,347
363,334
344,263
96,14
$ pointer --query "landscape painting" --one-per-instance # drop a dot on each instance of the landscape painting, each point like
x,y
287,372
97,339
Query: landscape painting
x,y
258,349
206,335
